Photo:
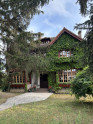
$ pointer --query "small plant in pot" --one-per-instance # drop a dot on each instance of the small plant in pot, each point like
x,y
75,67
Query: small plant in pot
x,y
50,88
34,88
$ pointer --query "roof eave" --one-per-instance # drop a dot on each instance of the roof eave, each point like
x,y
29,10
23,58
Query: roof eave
x,y
60,33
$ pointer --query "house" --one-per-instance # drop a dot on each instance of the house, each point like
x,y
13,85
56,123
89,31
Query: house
x,y
65,51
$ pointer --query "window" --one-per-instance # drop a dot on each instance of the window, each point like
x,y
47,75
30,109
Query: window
x,y
19,78
65,53
67,75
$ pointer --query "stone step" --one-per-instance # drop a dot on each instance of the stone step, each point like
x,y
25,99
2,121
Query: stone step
x,y
42,90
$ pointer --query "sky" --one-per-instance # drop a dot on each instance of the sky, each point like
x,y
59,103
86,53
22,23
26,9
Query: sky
x,y
57,15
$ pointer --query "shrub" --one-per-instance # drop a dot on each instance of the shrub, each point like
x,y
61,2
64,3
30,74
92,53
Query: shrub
x,y
5,84
82,84
1,76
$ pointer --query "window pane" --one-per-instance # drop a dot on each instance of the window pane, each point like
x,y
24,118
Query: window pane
x,y
68,53
61,53
64,53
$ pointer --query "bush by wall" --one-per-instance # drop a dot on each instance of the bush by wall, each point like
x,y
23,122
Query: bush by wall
x,y
82,84
5,83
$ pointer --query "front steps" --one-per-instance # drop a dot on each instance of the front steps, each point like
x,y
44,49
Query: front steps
x,y
42,90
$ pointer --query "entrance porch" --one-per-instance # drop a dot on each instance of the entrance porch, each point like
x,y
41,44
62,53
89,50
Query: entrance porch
x,y
39,80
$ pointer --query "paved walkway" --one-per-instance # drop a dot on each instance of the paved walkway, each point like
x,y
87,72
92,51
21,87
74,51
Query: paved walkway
x,y
24,98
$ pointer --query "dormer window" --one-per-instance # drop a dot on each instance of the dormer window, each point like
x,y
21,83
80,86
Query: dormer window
x,y
65,54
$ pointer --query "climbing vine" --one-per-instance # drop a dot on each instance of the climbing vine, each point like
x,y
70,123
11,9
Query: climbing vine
x,y
64,43
51,79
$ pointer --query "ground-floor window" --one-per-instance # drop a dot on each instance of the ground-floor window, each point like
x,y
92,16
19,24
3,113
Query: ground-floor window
x,y
19,78
67,75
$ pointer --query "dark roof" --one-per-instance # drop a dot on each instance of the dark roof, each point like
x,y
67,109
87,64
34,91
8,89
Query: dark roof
x,y
46,39
67,31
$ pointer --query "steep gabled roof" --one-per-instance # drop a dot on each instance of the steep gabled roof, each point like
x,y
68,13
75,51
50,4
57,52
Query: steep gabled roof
x,y
67,31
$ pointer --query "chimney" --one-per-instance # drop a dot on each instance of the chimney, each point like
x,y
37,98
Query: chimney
x,y
79,34
40,35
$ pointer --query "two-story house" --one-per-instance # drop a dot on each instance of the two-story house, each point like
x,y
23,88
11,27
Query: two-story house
x,y
65,52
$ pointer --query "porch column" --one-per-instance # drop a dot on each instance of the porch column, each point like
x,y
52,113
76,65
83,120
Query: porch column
x,y
38,81
33,78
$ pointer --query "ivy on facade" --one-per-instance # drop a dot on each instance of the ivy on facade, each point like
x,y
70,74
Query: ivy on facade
x,y
64,42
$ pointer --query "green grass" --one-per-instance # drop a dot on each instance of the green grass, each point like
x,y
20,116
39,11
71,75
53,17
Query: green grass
x,y
58,109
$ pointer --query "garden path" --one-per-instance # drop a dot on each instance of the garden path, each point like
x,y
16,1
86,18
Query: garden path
x,y
24,98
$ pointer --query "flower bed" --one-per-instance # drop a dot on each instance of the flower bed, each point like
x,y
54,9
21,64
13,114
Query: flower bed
x,y
17,85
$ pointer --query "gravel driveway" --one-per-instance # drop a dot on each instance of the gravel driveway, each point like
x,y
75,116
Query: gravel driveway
x,y
24,98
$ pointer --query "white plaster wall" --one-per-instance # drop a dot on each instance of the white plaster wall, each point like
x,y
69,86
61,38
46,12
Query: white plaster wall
x,y
35,78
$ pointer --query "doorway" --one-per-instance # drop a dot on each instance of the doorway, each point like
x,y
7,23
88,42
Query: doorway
x,y
43,80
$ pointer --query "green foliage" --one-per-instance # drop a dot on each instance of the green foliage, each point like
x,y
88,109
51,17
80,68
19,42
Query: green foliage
x,y
5,83
1,76
1,68
15,16
57,78
82,84
51,79
20,55
65,42
56,85
87,43
25,87
89,50
83,5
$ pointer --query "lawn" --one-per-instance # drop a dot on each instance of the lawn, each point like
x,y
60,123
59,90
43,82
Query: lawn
x,y
57,109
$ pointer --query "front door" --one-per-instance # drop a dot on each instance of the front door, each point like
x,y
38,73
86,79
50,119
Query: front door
x,y
43,81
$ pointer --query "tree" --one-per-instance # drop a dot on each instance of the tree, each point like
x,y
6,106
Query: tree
x,y
1,66
15,16
83,5
83,83
87,9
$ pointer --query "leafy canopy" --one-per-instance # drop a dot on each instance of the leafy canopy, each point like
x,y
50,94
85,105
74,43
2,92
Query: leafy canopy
x,y
15,16
83,83
87,9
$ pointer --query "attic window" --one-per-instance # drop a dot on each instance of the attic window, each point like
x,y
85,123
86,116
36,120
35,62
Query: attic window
x,y
65,54
67,75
